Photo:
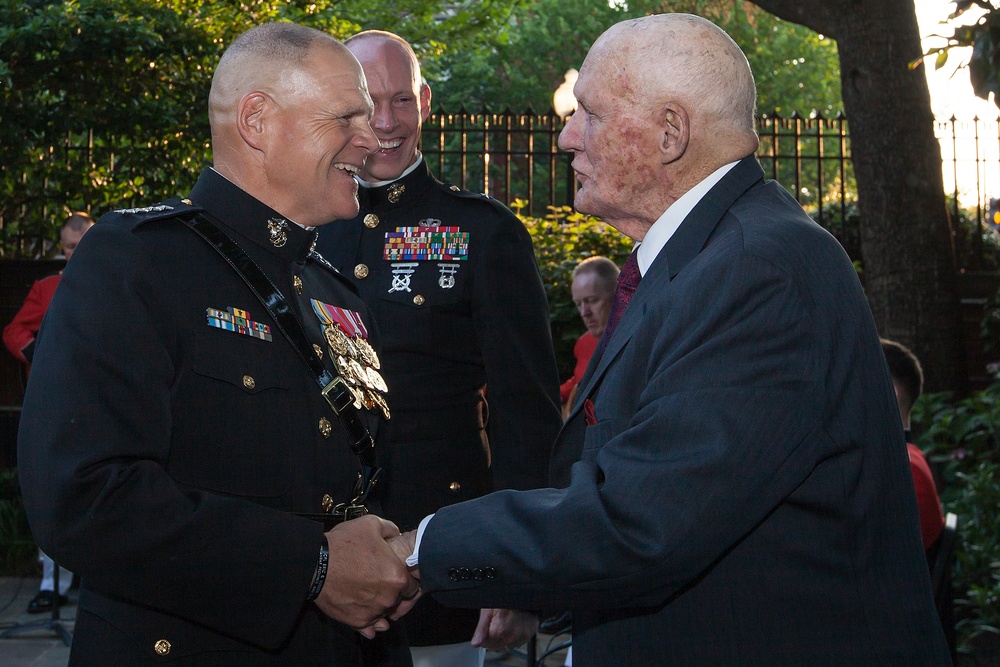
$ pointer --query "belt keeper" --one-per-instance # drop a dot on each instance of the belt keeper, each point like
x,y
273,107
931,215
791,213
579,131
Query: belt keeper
x,y
338,400
319,577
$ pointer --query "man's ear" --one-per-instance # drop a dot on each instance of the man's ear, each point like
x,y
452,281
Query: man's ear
x,y
250,117
425,101
675,128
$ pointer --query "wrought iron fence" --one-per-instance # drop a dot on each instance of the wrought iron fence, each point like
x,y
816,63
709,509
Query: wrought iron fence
x,y
514,156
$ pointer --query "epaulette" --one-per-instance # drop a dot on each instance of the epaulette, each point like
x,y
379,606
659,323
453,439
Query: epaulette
x,y
171,208
456,191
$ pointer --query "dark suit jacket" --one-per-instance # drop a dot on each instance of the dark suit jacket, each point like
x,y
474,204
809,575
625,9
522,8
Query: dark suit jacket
x,y
472,377
744,497
163,458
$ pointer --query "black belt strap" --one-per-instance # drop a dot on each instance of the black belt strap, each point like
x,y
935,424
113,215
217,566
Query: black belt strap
x,y
333,387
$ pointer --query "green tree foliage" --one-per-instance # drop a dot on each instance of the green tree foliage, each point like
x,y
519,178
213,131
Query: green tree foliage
x,y
795,68
130,80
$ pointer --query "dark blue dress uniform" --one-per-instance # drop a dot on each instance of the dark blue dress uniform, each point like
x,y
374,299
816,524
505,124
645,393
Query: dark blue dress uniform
x,y
163,456
451,279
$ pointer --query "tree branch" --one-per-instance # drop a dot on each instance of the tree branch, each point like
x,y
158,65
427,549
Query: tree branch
x,y
823,17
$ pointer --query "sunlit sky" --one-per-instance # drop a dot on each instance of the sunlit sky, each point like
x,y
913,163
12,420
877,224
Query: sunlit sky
x,y
951,95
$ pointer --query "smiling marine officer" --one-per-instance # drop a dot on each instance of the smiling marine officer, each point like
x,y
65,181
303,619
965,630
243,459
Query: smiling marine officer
x,y
173,428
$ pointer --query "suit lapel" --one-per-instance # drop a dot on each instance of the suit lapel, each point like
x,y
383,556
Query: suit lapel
x,y
685,244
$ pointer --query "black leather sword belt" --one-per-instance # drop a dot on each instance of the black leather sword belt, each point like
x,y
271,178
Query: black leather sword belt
x,y
333,387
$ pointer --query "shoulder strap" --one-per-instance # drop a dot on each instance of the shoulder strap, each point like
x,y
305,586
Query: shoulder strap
x,y
333,387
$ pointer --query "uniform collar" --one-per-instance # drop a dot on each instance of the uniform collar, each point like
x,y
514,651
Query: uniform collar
x,y
400,192
250,218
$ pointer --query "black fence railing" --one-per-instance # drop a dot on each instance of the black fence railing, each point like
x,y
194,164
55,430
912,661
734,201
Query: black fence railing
x,y
514,157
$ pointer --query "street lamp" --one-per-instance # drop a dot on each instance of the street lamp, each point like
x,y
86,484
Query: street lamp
x,y
563,101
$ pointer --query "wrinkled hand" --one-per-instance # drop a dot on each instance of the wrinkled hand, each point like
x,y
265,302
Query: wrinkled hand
x,y
365,580
504,629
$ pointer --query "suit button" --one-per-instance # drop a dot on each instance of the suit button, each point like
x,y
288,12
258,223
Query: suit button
x,y
371,221
327,502
464,573
490,572
454,487
249,382
298,284
162,647
478,574
361,271
453,574
419,299
325,428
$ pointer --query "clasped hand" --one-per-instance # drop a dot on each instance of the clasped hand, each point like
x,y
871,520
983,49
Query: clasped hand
x,y
367,580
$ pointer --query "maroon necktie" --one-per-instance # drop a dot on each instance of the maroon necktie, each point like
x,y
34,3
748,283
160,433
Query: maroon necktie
x,y
628,280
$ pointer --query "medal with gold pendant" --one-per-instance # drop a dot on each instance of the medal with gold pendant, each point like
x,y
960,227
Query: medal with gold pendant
x,y
353,356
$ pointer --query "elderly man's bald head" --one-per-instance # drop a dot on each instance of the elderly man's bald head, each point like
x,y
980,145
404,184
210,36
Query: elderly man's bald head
x,y
685,58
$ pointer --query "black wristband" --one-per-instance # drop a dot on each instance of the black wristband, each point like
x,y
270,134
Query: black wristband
x,y
321,566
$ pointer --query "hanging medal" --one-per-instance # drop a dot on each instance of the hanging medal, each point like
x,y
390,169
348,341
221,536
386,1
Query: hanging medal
x,y
353,356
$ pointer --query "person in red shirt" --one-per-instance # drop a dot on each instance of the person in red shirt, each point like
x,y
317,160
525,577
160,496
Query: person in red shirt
x,y
908,380
19,337
593,288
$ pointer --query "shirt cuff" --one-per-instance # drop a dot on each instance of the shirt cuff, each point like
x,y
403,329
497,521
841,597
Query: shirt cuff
x,y
414,558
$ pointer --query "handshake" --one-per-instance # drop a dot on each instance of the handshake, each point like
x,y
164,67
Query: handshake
x,y
367,580
369,584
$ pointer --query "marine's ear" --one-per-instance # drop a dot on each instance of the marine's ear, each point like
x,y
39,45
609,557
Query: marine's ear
x,y
251,114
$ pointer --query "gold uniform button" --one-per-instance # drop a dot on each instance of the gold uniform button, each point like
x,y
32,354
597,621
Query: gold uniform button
x,y
361,271
455,487
187,202
327,502
298,284
162,647
325,429
419,299
249,382
318,350
371,221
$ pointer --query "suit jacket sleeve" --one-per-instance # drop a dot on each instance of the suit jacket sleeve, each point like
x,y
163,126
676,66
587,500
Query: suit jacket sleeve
x,y
731,374
94,441
510,314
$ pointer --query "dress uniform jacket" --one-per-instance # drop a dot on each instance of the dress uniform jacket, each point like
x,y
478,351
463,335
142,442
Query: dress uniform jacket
x,y
469,362
742,495
163,457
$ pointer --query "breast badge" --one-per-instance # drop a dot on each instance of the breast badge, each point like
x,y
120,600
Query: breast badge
x,y
401,273
353,356
447,278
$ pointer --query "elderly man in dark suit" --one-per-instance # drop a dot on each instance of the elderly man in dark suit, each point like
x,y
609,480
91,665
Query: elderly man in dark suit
x,y
741,494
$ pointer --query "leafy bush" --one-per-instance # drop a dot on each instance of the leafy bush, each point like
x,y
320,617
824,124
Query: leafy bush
x,y
960,439
17,548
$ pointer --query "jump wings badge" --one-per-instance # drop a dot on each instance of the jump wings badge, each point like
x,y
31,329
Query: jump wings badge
x,y
353,356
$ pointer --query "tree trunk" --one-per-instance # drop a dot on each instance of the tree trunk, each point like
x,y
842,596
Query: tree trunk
x,y
909,268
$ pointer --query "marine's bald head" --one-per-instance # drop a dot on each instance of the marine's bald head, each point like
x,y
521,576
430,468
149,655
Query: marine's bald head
x,y
269,58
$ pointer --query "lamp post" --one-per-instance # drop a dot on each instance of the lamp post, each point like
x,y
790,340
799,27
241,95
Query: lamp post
x,y
563,100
